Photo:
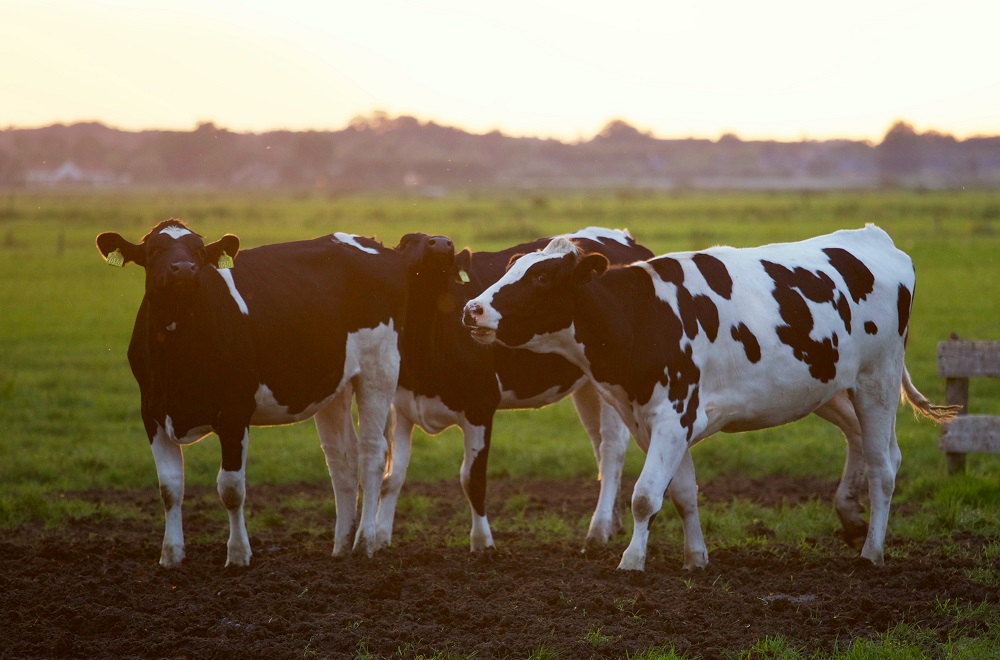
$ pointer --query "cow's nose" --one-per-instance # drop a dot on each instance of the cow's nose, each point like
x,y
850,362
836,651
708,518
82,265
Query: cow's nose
x,y
473,311
440,244
183,270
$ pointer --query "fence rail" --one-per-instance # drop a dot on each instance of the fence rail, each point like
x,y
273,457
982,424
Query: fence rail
x,y
957,361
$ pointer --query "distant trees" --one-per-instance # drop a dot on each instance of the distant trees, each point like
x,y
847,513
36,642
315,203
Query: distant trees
x,y
380,152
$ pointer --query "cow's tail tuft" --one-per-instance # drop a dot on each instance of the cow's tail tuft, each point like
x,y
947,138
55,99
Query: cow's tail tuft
x,y
921,405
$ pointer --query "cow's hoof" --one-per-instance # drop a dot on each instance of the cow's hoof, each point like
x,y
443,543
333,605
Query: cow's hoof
x,y
171,556
695,560
632,563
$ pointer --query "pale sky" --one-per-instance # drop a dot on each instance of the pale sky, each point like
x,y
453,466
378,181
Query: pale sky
x,y
780,69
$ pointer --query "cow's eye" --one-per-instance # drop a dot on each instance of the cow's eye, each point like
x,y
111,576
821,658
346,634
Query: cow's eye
x,y
155,251
542,279
202,255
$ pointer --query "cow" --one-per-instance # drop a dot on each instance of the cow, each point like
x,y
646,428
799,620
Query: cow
x,y
688,344
283,333
448,379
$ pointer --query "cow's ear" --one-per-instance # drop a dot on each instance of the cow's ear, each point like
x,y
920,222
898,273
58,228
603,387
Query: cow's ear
x,y
222,252
589,266
117,251
512,260
463,266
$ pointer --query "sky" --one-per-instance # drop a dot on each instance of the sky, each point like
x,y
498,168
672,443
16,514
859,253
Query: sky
x,y
769,69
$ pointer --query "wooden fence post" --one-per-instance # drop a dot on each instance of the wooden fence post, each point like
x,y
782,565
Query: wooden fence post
x,y
956,393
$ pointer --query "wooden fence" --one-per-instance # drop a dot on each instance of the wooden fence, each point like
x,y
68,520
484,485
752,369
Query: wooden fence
x,y
958,361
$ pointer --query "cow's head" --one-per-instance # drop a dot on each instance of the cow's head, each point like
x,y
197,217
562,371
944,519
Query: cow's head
x,y
171,254
534,297
427,256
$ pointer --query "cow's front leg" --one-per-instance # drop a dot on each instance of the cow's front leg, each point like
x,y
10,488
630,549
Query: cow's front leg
x,y
169,461
666,450
232,491
473,476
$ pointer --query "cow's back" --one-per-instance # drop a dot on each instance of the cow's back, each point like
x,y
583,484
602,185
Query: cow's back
x,y
800,322
303,301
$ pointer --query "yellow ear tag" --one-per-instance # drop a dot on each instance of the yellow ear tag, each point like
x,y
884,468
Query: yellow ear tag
x,y
463,277
115,258
225,261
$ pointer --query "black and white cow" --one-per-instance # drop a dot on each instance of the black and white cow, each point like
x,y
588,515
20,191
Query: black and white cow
x,y
291,331
688,344
448,379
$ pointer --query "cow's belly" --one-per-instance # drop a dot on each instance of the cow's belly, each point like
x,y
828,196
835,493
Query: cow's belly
x,y
429,413
509,399
269,412
751,410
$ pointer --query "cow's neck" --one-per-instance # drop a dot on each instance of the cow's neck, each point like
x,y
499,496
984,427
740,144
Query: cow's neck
x,y
603,328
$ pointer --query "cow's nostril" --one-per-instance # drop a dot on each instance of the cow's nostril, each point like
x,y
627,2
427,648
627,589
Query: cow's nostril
x,y
472,312
183,268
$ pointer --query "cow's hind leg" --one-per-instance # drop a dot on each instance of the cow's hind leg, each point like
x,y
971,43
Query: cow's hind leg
x,y
848,501
169,461
375,388
393,482
683,492
232,491
666,451
874,401
609,437
340,446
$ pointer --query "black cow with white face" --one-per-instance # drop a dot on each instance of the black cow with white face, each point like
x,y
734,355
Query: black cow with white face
x,y
448,379
287,332
689,344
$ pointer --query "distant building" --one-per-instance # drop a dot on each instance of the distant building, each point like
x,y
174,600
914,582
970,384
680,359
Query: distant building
x,y
71,174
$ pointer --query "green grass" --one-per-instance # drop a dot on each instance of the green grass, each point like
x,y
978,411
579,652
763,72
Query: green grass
x,y
69,406
69,416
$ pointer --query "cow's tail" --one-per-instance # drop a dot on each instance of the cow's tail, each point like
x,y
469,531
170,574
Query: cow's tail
x,y
389,433
921,405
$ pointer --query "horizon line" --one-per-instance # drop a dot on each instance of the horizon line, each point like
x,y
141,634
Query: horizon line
x,y
625,123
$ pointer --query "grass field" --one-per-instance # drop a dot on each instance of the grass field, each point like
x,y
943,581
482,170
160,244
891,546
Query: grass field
x,y
69,416
68,404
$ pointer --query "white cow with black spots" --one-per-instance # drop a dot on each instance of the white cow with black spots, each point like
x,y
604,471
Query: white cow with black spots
x,y
689,344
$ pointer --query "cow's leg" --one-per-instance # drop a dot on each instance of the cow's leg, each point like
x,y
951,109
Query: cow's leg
x,y
874,401
683,492
232,491
609,437
169,460
666,451
840,411
375,388
340,446
393,482
473,476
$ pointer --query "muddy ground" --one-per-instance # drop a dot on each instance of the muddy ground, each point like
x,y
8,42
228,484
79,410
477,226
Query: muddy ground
x,y
93,589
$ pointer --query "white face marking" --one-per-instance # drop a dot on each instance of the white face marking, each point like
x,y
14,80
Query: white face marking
x,y
352,240
556,249
599,234
175,232
227,275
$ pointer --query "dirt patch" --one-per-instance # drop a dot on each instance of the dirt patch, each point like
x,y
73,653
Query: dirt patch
x,y
93,589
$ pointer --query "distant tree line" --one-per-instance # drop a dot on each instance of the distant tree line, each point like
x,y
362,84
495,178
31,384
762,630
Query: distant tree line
x,y
379,152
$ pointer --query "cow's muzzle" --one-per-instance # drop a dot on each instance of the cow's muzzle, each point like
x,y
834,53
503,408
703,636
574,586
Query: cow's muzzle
x,y
472,317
